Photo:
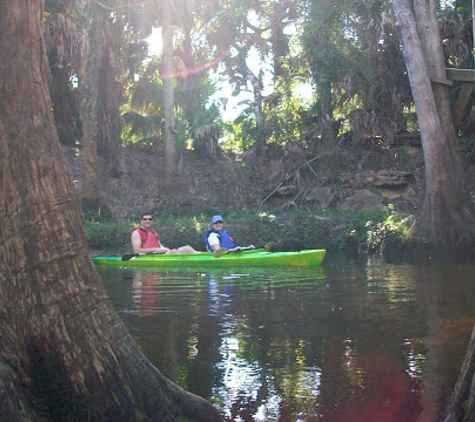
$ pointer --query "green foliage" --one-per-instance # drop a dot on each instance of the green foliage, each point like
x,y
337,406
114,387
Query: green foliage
x,y
285,122
140,416
394,229
108,235
299,230
296,230
348,49
142,128
241,134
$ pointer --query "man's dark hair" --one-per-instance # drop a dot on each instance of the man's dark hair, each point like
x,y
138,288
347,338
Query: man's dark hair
x,y
144,214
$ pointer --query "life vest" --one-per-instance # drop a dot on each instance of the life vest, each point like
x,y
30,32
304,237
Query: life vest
x,y
225,240
149,238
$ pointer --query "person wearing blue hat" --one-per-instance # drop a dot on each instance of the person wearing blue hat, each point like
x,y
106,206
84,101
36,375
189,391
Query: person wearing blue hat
x,y
216,237
219,241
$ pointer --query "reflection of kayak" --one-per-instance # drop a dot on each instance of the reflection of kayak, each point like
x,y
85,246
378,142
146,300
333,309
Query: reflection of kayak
x,y
256,257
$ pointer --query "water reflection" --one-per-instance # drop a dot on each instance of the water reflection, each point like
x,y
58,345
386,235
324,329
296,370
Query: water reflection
x,y
347,341
145,291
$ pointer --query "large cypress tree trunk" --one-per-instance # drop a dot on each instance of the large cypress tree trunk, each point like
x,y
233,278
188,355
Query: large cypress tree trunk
x,y
446,222
446,219
461,407
64,353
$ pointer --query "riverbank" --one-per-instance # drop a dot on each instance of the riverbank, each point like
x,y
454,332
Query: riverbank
x,y
338,231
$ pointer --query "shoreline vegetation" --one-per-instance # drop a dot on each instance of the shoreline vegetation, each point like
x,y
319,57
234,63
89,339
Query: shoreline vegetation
x,y
351,232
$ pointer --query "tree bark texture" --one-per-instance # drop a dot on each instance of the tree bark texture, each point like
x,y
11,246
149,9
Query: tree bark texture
x,y
446,220
429,34
65,355
168,87
92,41
462,403
446,217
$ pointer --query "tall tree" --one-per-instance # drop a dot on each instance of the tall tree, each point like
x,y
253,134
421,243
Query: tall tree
x,y
62,38
64,352
326,61
461,407
168,87
357,69
81,43
446,220
90,107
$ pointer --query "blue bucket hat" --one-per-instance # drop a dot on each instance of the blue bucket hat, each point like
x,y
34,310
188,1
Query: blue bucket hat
x,y
216,218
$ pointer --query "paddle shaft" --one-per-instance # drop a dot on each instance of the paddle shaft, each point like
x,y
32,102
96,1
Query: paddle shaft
x,y
128,256
223,251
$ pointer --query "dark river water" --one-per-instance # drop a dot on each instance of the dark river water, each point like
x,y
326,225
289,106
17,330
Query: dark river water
x,y
347,341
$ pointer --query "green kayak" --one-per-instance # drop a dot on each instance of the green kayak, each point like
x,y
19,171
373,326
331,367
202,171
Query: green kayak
x,y
254,258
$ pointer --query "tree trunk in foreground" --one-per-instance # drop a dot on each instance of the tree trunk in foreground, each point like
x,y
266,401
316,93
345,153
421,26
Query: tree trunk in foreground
x,y
64,353
462,403
446,222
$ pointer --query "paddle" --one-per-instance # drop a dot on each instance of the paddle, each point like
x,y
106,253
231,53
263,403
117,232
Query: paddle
x,y
218,253
128,256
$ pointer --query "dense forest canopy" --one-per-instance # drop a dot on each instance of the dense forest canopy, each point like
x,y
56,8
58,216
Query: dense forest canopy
x,y
349,53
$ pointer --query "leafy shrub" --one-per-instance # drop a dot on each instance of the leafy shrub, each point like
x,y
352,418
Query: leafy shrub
x,y
108,235
394,229
288,231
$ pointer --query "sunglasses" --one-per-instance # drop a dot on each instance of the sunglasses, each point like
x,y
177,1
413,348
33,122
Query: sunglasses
x,y
147,219
218,222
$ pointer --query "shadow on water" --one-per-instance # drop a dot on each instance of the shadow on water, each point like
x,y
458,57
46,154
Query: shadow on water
x,y
347,341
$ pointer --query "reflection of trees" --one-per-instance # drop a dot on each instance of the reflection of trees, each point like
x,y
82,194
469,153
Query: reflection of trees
x,y
449,329
189,320
352,346
207,331
338,336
